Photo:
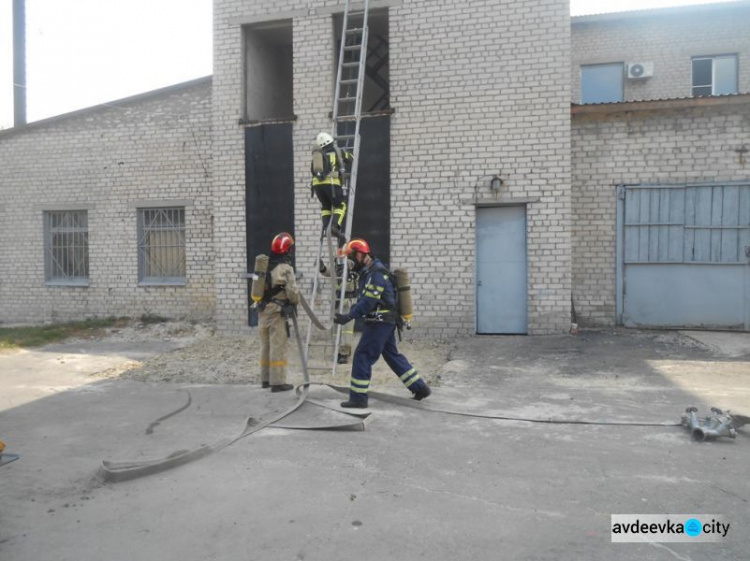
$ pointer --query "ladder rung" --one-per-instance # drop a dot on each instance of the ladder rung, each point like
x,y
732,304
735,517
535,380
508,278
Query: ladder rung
x,y
347,99
344,136
346,117
350,64
355,30
352,81
352,47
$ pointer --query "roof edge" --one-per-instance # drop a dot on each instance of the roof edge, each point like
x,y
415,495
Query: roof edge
x,y
659,12
109,105
659,104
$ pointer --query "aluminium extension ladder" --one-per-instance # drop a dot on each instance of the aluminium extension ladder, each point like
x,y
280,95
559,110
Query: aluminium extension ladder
x,y
347,113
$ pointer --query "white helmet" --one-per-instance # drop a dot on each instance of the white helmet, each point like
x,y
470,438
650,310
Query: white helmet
x,y
323,139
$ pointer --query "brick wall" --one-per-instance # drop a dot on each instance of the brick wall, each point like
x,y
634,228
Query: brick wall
x,y
475,92
630,147
155,147
669,38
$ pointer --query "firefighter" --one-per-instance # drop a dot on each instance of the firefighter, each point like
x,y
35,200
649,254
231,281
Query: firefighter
x,y
280,297
377,304
327,169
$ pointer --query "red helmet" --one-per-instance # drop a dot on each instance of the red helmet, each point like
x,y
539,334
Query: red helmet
x,y
282,243
357,244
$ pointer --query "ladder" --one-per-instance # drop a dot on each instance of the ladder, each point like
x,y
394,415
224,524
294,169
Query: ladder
x,y
347,113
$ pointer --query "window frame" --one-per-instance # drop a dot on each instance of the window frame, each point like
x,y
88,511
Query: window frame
x,y
713,58
181,228
620,65
52,265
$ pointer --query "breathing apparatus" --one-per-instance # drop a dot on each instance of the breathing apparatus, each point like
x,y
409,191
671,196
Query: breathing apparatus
x,y
259,278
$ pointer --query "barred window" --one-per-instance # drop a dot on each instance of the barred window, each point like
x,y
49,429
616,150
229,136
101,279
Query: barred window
x,y
66,247
161,245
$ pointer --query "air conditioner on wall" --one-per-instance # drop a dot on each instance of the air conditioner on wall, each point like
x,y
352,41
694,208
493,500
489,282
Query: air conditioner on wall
x,y
640,70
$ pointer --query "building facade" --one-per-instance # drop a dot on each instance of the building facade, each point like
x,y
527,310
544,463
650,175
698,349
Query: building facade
x,y
107,211
472,94
661,181
513,212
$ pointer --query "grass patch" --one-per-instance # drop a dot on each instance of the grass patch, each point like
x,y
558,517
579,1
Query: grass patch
x,y
18,337
148,319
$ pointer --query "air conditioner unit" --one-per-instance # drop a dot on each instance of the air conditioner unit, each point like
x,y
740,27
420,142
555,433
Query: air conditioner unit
x,y
640,70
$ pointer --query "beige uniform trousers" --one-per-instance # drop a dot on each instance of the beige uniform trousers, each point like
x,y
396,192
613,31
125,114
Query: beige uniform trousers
x,y
273,343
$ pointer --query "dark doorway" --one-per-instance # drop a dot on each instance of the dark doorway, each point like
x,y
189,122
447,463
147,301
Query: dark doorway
x,y
269,189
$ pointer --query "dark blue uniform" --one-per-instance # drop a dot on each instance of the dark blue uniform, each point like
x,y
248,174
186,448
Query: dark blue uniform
x,y
377,304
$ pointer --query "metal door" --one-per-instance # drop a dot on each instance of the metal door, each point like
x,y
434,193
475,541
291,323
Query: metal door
x,y
684,256
269,189
501,270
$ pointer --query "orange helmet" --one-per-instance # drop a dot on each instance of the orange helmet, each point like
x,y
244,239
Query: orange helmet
x,y
357,244
282,243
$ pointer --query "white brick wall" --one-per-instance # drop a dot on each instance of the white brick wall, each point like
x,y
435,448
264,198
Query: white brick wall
x,y
152,147
630,147
669,38
475,91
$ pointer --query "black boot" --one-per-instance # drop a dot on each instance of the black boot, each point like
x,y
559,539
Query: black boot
x,y
354,404
336,231
419,395
265,385
342,359
282,388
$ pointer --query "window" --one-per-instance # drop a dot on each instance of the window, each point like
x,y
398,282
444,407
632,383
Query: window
x,y
602,83
715,75
66,247
161,246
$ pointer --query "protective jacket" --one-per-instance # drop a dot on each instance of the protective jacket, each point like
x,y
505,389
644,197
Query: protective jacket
x,y
281,286
377,295
335,166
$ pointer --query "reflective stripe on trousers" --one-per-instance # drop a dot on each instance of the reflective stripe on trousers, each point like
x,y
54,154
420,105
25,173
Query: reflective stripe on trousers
x,y
273,343
380,339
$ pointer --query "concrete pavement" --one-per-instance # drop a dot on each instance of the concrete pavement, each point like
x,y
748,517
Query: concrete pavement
x,y
414,485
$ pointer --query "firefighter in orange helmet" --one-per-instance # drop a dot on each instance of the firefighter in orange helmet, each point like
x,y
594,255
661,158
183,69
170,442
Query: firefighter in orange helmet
x,y
377,304
277,305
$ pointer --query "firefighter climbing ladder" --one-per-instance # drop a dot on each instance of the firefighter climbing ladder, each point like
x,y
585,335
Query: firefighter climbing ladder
x,y
347,113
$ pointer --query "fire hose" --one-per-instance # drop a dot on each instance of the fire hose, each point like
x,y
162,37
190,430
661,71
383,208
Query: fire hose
x,y
711,427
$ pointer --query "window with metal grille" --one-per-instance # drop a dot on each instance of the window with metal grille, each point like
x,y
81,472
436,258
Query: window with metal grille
x,y
66,247
715,75
161,245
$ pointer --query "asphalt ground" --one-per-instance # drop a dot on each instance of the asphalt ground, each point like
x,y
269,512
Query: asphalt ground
x,y
413,485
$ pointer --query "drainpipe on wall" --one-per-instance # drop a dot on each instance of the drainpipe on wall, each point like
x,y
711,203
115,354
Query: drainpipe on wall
x,y
19,63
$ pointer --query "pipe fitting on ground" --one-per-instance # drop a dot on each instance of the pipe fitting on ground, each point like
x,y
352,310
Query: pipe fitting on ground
x,y
710,427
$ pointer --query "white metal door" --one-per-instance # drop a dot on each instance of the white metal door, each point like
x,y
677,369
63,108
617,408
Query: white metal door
x,y
501,270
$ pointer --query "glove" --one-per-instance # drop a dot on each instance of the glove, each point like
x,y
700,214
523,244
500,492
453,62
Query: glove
x,y
322,267
341,319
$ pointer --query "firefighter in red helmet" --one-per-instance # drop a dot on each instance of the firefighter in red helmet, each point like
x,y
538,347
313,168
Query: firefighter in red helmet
x,y
279,298
377,304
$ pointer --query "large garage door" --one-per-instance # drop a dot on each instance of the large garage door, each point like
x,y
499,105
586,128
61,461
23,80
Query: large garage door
x,y
684,256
